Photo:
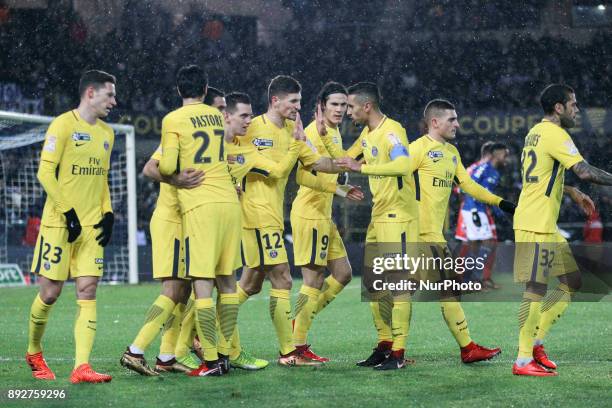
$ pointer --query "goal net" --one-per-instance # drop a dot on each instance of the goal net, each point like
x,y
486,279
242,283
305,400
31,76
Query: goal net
x,y
22,197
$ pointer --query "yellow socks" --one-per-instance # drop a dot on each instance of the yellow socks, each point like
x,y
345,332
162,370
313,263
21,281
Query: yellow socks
x,y
552,308
227,313
382,310
185,338
529,317
400,316
206,317
236,348
158,314
171,330
329,291
305,309
39,315
280,312
456,321
84,330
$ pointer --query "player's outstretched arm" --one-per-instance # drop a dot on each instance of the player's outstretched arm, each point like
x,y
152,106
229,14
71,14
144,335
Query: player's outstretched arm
x,y
399,164
311,159
327,165
188,178
582,200
592,174
469,186
307,179
282,168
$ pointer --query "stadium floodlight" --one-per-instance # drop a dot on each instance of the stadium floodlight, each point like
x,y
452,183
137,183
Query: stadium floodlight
x,y
22,197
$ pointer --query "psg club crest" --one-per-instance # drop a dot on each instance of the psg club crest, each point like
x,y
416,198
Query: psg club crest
x,y
455,160
240,159
273,253
374,151
106,145
47,265
323,254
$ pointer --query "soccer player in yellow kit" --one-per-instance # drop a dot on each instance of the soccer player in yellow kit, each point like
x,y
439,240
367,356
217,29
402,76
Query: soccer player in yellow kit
x,y
186,340
262,209
317,245
541,251
168,266
436,165
244,159
77,221
193,137
384,146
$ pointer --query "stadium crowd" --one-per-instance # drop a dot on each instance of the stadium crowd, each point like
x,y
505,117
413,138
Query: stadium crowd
x,y
479,73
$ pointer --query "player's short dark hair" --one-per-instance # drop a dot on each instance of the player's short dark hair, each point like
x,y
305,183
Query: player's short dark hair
x,y
330,88
554,94
191,81
232,99
435,106
367,92
95,78
282,85
211,94
490,147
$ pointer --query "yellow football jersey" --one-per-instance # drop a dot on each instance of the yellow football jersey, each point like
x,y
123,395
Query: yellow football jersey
x,y
263,198
435,167
196,131
548,151
392,196
167,206
312,204
82,154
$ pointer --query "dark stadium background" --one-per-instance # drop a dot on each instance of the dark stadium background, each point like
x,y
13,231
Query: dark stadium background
x,y
491,58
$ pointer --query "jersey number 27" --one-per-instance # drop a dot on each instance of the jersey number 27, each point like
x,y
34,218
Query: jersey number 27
x,y
199,156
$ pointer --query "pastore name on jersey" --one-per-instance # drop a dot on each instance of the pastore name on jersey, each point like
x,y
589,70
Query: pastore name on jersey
x,y
206,120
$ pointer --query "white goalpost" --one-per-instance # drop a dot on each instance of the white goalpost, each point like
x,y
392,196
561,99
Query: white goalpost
x,y
22,197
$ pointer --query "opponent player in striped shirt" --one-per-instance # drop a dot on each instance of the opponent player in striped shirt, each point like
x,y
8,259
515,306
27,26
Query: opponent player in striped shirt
x,y
475,223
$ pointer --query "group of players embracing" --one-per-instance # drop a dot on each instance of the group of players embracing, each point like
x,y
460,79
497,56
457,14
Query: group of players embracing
x,y
222,176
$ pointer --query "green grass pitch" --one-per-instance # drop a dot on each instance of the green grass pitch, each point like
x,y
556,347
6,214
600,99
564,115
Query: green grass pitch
x,y
580,343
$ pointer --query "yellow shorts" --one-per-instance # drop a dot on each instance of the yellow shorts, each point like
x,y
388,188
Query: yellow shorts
x,y
438,262
315,242
56,259
263,246
539,256
167,249
390,238
385,241
212,240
